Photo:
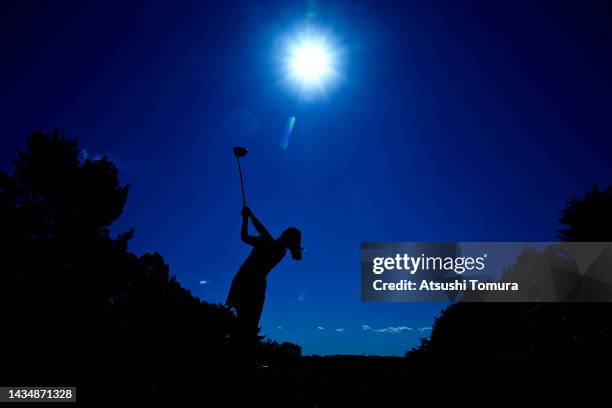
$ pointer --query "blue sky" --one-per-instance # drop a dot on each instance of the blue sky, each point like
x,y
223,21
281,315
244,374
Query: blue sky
x,y
459,121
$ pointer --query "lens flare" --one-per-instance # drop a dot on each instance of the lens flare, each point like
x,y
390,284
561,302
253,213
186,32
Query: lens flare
x,y
287,133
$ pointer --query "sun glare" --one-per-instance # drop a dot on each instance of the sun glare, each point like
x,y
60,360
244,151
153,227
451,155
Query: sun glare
x,y
311,62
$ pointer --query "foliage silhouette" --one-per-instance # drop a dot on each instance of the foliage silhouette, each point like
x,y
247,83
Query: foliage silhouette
x,y
536,344
83,309
588,219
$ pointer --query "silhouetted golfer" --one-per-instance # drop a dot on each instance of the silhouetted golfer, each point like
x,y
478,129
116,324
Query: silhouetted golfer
x,y
248,291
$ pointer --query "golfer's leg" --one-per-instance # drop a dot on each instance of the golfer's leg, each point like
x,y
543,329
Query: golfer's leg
x,y
245,335
257,309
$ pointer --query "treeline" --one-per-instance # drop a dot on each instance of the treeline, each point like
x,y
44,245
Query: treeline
x,y
532,346
79,308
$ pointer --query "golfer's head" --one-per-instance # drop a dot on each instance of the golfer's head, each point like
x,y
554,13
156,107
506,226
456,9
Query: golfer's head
x,y
292,239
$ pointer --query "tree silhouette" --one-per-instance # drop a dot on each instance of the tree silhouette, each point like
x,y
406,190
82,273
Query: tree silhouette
x,y
83,309
588,219
539,344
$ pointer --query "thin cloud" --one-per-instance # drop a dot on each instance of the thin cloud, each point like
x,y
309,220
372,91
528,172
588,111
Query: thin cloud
x,y
365,327
279,328
133,166
340,330
320,328
84,156
393,329
204,282
423,329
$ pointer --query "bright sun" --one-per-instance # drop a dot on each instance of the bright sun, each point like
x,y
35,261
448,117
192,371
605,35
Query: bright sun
x,y
310,62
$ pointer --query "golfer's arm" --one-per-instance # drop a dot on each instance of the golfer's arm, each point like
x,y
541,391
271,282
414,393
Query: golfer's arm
x,y
244,232
260,228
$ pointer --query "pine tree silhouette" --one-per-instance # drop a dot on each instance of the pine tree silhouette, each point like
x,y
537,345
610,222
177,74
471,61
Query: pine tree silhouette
x,y
84,310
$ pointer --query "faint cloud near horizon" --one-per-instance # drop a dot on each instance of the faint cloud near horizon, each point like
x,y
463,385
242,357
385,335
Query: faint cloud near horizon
x,y
129,167
390,329
394,329
84,155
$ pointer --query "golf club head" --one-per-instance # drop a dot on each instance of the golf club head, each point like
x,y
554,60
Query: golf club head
x,y
240,151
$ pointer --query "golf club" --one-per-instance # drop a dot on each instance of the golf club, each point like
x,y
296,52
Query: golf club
x,y
239,152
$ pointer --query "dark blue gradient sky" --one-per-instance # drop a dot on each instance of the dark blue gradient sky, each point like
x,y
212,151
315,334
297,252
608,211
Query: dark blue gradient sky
x,y
453,121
